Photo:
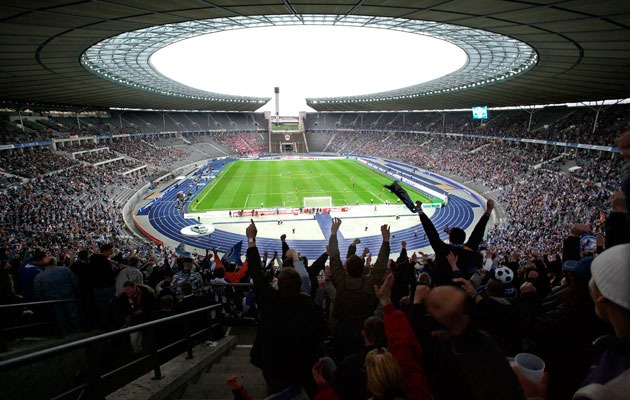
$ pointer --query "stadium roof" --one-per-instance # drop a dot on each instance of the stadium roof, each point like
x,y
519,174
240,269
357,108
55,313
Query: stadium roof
x,y
582,51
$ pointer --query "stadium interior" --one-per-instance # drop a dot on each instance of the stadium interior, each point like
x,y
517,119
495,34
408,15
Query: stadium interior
x,y
161,241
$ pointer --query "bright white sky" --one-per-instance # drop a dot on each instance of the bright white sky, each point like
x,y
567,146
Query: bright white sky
x,y
306,61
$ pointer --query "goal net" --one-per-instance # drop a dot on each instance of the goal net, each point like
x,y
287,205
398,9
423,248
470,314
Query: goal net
x,y
310,202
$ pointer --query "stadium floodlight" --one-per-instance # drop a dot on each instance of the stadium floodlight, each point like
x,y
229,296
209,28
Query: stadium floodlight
x,y
125,58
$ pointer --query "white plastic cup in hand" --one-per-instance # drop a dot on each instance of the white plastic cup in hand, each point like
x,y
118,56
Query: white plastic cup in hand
x,y
531,366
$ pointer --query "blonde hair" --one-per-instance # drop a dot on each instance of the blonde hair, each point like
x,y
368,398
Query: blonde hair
x,y
384,376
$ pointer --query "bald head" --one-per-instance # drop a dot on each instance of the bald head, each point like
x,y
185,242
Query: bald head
x,y
446,304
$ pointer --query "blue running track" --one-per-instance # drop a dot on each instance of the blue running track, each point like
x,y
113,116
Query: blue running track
x,y
168,221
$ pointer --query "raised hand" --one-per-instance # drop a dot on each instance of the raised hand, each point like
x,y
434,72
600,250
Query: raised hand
x,y
383,293
452,260
618,201
283,237
489,206
335,226
420,294
318,373
251,230
466,285
385,232
579,229
404,244
623,143
233,383
356,241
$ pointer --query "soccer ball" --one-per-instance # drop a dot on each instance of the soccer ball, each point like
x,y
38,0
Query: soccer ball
x,y
504,274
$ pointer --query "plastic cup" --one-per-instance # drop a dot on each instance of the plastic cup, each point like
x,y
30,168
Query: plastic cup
x,y
531,366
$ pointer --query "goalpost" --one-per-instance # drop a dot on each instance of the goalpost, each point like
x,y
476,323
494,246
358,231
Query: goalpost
x,y
318,202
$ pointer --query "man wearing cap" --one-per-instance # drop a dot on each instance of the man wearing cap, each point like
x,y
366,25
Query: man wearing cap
x,y
610,289
187,275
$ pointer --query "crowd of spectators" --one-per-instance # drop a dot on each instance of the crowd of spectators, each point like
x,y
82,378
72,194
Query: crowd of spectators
x,y
97,156
553,279
145,151
244,143
574,125
33,164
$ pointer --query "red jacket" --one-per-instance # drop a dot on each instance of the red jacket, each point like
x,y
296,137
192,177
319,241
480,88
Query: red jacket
x,y
234,277
403,344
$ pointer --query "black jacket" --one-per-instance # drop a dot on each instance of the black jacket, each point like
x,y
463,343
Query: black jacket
x,y
290,332
468,256
469,366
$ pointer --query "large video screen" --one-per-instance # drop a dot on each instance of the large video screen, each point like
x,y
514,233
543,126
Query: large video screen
x,y
480,112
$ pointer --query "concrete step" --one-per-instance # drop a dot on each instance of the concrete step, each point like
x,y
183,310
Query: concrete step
x,y
212,384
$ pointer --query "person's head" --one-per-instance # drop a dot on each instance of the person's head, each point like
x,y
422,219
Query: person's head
x,y
38,257
219,273
168,275
228,266
354,266
129,288
289,282
83,255
187,263
456,236
609,287
384,376
134,261
107,249
424,279
374,332
166,303
187,289
447,306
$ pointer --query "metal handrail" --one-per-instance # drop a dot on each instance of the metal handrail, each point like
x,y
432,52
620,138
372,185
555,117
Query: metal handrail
x,y
230,284
64,348
37,303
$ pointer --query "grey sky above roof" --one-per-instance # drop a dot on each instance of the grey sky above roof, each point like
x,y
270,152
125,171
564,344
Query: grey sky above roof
x,y
583,48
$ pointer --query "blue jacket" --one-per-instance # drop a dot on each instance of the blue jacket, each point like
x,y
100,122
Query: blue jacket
x,y
55,283
28,272
614,360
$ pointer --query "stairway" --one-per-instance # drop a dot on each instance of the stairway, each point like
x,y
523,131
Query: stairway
x,y
211,384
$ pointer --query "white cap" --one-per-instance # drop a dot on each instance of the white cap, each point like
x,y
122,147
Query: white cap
x,y
611,273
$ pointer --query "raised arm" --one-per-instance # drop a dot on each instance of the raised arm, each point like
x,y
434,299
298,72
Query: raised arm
x,y
403,344
298,265
403,258
352,249
434,237
285,246
315,268
336,266
376,276
477,234
253,260
217,259
624,147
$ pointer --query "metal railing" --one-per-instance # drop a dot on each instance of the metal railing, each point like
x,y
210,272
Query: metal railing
x,y
35,303
39,320
100,384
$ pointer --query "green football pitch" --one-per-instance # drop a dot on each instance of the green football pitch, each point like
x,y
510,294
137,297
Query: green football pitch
x,y
255,184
